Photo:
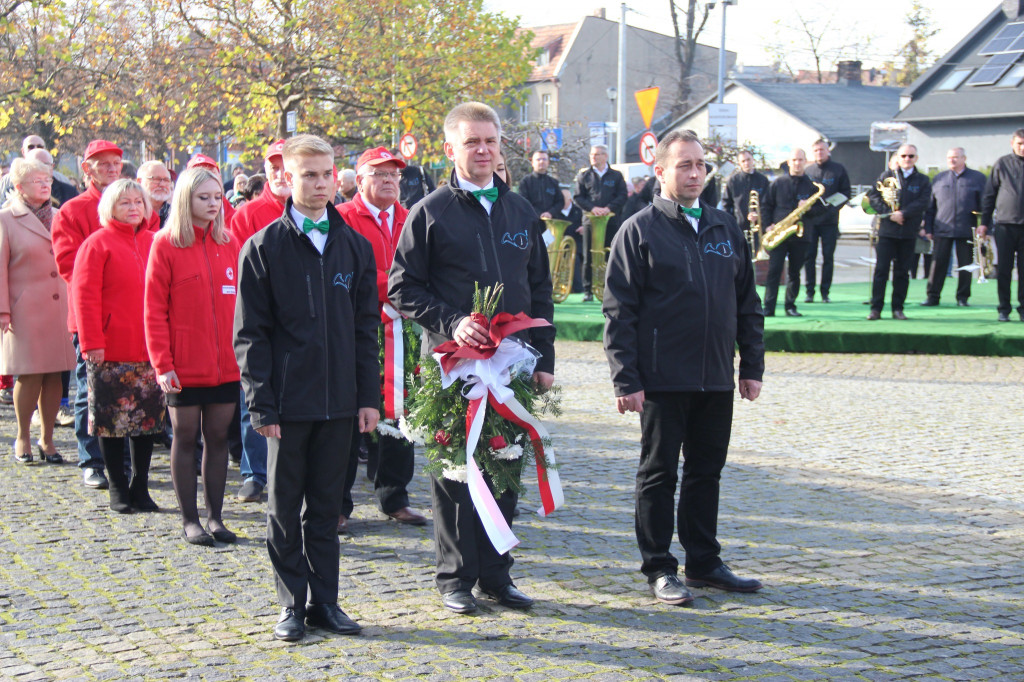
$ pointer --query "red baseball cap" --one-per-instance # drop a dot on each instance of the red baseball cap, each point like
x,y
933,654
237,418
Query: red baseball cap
x,y
378,155
99,147
273,150
203,161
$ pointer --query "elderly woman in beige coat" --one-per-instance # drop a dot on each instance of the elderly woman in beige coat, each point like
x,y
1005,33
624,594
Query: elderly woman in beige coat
x,y
34,344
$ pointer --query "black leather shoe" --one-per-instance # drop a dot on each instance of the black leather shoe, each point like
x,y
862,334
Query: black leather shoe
x,y
793,312
769,313
203,539
459,601
289,626
331,617
962,304
929,303
825,298
1004,317
809,298
898,315
874,315
670,590
510,596
587,298
724,579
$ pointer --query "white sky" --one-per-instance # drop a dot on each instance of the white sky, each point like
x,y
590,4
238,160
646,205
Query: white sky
x,y
751,24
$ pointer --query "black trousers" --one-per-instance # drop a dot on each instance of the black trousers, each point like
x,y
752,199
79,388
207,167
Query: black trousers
x,y
465,555
305,471
390,463
701,424
1010,246
942,250
897,254
827,235
795,252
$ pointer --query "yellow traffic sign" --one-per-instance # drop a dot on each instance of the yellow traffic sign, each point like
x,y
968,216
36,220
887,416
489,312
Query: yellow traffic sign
x,y
646,99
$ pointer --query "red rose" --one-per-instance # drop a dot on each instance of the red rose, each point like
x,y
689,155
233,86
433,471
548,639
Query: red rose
x,y
498,443
480,319
416,370
442,437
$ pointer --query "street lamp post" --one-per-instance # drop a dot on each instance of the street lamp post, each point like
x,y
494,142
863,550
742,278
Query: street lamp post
x,y
721,49
613,94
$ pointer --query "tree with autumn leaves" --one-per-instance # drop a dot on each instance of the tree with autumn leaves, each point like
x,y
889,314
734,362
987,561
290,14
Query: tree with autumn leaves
x,y
167,74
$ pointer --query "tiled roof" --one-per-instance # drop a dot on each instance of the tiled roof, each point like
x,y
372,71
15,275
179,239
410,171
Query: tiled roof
x,y
555,39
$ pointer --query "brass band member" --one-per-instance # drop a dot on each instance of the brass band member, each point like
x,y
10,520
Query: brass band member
x,y
826,230
736,195
785,195
949,221
1003,203
600,189
898,229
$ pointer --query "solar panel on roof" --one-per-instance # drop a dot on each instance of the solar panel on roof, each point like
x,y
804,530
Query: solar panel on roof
x,y
1004,39
994,68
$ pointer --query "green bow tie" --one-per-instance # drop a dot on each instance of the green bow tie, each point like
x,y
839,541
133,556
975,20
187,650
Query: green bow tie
x,y
490,194
308,226
692,212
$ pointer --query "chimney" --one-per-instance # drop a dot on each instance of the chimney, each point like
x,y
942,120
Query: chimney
x,y
848,73
1013,9
600,13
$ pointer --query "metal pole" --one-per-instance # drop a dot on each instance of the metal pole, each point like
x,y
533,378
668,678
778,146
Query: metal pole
x,y
620,118
721,58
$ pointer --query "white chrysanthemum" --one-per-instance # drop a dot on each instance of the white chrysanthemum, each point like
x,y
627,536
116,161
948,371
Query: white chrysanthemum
x,y
410,434
454,473
508,452
387,427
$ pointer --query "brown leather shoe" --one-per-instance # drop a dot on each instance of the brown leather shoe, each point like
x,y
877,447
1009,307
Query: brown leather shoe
x,y
898,315
874,315
409,515
342,524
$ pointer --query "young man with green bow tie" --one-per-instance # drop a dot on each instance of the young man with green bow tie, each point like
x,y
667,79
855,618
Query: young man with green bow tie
x,y
306,342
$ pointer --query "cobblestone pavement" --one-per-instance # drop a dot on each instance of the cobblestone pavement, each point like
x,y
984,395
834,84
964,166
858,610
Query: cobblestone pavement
x,y
879,498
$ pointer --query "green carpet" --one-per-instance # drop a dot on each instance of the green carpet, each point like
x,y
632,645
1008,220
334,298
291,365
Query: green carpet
x,y
841,327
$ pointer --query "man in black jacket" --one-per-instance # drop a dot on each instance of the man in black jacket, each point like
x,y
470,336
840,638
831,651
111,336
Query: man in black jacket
x,y
472,230
898,231
825,230
600,190
414,185
951,216
540,189
306,341
1003,203
785,195
679,298
739,185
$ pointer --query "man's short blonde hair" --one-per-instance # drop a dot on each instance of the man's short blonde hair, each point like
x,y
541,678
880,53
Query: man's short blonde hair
x,y
469,111
306,145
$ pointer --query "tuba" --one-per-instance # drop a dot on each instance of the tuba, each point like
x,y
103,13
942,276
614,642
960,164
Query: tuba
x,y
753,231
598,252
788,226
562,259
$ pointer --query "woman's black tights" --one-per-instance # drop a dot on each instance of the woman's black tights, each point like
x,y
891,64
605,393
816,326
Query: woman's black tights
x,y
213,419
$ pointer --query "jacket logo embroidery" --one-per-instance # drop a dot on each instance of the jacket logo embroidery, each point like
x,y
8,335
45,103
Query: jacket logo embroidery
x,y
341,280
723,249
520,240
230,274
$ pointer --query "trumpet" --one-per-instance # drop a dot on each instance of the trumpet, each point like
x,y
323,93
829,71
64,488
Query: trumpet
x,y
788,226
753,232
562,259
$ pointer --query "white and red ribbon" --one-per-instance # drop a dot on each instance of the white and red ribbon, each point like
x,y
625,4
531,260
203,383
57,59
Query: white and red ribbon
x,y
394,363
486,381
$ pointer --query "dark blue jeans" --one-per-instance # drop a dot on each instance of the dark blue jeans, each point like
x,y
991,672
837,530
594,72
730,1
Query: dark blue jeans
x,y
254,449
89,456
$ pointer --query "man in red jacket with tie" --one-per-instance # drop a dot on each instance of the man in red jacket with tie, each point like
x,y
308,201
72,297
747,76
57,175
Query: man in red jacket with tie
x,y
375,213
268,206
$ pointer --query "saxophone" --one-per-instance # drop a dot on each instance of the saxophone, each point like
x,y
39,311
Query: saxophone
x,y
753,231
562,259
790,225
598,252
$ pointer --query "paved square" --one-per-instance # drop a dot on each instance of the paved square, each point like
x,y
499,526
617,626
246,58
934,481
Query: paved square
x,y
879,498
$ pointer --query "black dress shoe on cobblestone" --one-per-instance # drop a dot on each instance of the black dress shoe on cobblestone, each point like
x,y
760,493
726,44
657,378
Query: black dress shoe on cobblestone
x,y
289,626
510,596
670,590
331,617
724,579
459,601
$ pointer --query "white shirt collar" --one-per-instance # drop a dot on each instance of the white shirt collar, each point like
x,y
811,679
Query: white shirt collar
x,y
906,173
468,186
600,173
375,212
318,238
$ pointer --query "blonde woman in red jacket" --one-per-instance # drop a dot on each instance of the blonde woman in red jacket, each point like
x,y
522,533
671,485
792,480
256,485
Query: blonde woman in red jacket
x,y
107,296
190,306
